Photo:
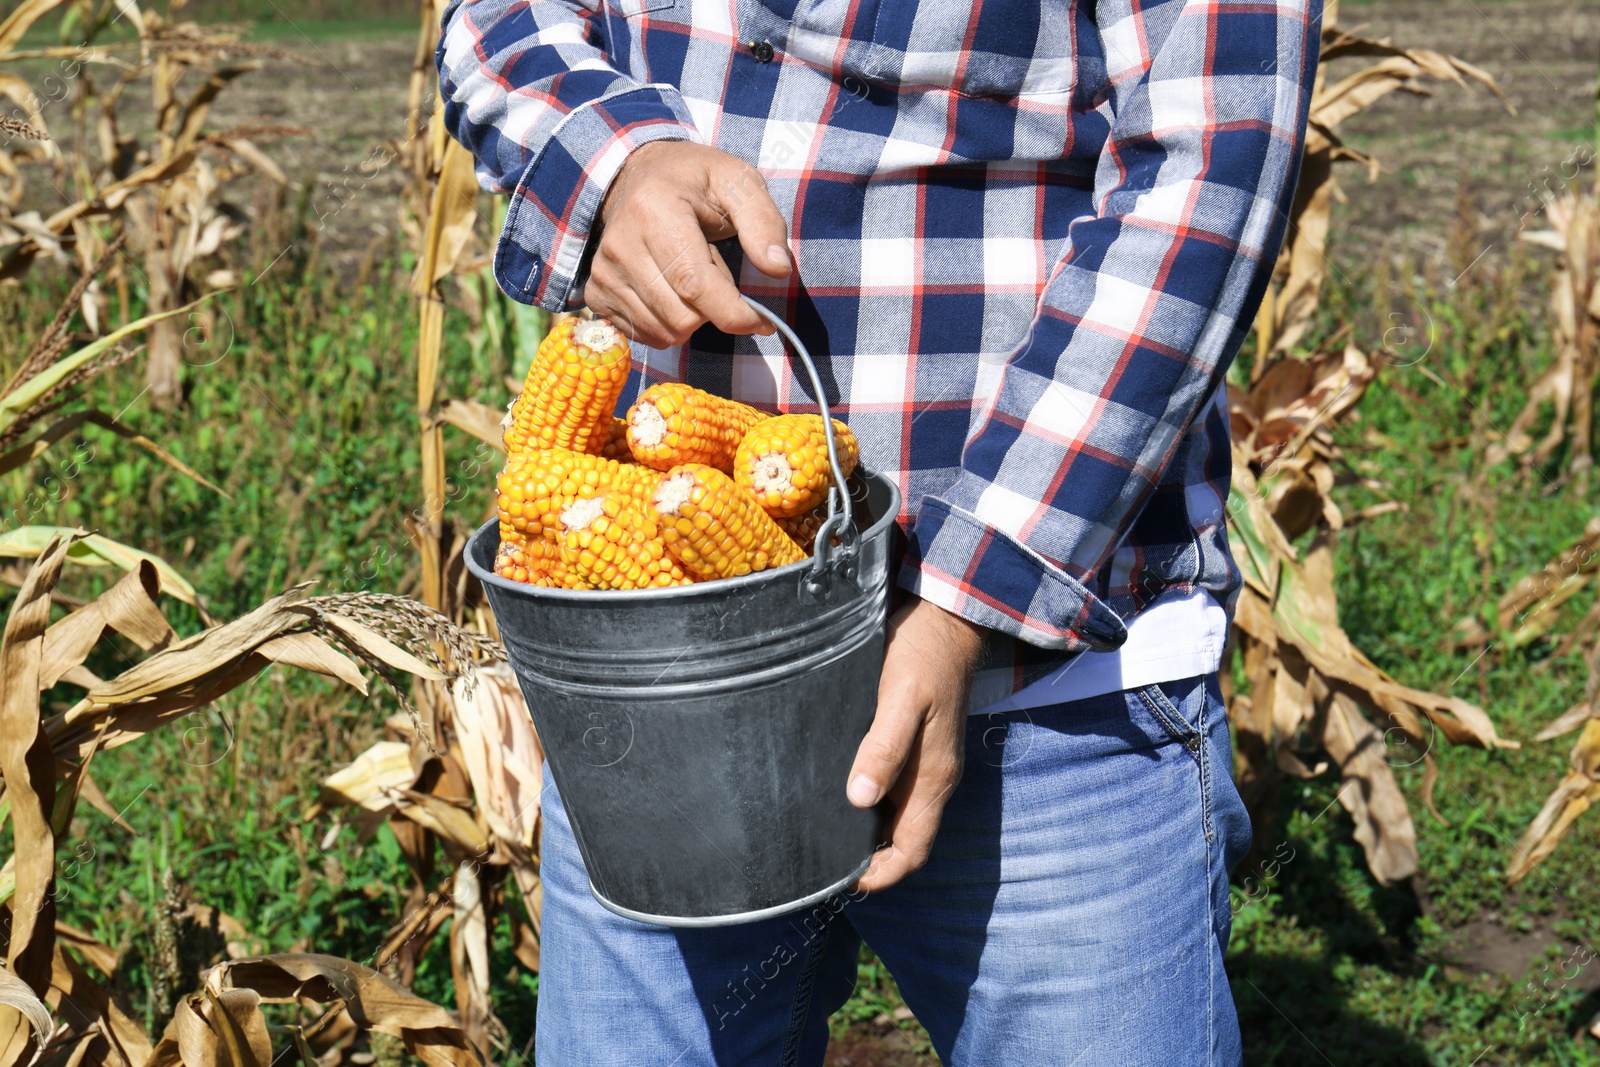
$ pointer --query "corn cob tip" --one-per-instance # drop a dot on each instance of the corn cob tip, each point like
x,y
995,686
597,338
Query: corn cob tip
x,y
647,425
674,491
597,335
580,514
772,472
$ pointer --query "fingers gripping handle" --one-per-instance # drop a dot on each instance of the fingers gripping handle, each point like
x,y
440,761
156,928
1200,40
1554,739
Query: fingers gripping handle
x,y
841,517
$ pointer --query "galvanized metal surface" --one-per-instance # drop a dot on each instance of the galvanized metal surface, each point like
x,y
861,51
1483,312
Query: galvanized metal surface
x,y
701,736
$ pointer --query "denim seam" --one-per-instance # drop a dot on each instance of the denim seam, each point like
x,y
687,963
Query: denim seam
x,y
802,998
1170,718
1194,740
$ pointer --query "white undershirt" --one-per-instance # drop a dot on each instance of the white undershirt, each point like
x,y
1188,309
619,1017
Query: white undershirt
x,y
1179,636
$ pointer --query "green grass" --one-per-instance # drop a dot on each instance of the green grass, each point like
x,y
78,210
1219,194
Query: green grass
x,y
307,421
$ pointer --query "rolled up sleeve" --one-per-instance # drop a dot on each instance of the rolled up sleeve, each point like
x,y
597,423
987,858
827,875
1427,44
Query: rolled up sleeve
x,y
529,90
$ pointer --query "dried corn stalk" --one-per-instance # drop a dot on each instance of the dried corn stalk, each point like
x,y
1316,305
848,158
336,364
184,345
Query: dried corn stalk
x,y
476,797
165,189
1308,683
1297,279
1527,611
45,761
1568,384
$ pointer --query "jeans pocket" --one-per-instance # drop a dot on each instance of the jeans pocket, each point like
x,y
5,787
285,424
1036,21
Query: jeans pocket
x,y
1172,720
1191,735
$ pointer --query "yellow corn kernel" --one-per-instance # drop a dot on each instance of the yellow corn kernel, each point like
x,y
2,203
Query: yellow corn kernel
x,y
803,528
715,529
783,462
572,388
615,445
673,424
613,542
537,562
534,487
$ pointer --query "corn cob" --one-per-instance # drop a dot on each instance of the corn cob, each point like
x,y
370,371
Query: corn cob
x,y
572,388
673,424
536,563
803,528
534,487
783,462
715,529
613,542
615,440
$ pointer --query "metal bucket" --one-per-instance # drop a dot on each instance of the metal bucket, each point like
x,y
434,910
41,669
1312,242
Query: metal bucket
x,y
701,736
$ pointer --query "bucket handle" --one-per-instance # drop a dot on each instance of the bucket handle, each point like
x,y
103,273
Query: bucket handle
x,y
826,560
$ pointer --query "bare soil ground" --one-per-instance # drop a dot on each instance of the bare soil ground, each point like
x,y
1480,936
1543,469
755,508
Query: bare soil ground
x,y
1545,57
1455,163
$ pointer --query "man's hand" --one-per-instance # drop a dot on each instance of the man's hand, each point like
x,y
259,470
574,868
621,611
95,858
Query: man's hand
x,y
655,273
913,752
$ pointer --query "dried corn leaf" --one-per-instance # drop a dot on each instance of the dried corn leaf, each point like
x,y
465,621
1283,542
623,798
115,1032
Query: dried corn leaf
x,y
78,997
450,822
129,608
224,1029
469,952
92,550
380,647
501,753
1539,588
29,768
22,19
1572,797
311,653
1289,303
1294,398
263,163
96,953
1300,611
88,790
370,781
16,996
482,421
1369,792
374,1001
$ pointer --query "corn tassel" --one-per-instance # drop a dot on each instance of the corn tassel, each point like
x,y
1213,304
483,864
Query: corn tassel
x,y
535,487
783,462
715,529
614,542
673,424
572,388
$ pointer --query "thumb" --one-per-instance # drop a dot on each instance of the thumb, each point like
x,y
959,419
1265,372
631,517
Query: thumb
x,y
741,193
883,752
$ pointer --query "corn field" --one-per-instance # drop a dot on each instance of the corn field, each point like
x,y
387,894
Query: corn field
x,y
298,644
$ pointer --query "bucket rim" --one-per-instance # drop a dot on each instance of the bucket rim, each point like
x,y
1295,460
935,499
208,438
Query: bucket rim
x,y
492,529
701,922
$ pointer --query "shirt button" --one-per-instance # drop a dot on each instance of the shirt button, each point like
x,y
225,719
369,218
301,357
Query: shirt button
x,y
762,50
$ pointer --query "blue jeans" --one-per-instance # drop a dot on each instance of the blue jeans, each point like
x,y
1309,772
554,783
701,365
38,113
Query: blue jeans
x,y
1074,911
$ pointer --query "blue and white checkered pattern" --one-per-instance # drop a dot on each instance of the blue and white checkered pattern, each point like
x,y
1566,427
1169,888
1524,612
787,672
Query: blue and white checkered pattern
x,y
1029,237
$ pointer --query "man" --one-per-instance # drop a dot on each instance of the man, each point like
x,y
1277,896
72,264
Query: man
x,y
1027,239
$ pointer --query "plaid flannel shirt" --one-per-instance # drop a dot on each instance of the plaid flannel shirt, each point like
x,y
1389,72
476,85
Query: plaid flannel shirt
x,y
1028,239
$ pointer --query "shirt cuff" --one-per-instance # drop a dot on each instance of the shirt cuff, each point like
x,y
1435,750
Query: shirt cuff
x,y
553,208
957,561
